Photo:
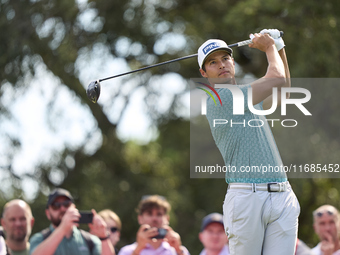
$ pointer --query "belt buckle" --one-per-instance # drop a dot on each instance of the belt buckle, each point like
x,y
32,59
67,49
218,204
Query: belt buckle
x,y
268,187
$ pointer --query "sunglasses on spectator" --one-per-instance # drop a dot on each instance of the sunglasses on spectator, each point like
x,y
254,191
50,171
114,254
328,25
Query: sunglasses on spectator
x,y
56,206
113,229
319,214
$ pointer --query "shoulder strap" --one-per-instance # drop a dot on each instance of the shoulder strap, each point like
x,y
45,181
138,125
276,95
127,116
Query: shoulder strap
x,y
46,233
88,239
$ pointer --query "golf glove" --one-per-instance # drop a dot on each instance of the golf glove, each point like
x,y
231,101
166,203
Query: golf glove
x,y
275,34
279,43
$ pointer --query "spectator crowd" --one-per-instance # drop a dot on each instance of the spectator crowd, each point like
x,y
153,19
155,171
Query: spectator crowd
x,y
154,236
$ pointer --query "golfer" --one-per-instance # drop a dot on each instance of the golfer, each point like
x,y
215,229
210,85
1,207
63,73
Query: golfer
x,y
260,209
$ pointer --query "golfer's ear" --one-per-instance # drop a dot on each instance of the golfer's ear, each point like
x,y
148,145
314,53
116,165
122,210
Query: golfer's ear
x,y
203,73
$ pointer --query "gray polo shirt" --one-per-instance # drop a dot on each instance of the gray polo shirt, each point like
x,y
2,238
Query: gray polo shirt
x,y
243,146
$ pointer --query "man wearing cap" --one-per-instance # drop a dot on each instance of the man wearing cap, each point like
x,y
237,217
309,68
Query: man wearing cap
x,y
327,227
260,209
63,237
17,221
212,235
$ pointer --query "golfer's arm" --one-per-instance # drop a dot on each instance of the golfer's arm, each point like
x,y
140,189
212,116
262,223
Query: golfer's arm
x,y
274,77
283,56
267,103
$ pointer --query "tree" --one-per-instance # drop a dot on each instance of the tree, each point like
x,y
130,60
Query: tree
x,y
101,170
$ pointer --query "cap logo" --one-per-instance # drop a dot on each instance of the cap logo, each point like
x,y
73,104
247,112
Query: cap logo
x,y
209,47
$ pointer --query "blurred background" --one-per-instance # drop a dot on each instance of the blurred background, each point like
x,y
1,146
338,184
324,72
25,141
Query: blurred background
x,y
136,140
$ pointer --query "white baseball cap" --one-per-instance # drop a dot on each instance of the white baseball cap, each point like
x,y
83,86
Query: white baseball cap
x,y
209,47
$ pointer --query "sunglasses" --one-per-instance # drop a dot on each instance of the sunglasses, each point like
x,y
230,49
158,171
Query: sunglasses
x,y
113,229
56,206
319,214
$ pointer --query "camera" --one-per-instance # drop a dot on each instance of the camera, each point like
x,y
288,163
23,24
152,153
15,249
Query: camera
x,y
161,233
85,218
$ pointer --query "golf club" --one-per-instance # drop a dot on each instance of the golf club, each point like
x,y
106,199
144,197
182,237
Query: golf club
x,y
93,90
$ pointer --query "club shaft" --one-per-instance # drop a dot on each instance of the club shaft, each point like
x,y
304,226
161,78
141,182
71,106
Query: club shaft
x,y
246,42
151,66
239,44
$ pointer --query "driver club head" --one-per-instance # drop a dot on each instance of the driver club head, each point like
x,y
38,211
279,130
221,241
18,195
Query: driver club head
x,y
93,91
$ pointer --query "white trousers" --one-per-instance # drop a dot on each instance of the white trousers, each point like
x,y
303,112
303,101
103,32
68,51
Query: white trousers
x,y
261,222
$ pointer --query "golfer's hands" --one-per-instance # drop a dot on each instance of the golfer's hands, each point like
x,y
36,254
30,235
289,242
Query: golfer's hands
x,y
261,41
275,34
327,245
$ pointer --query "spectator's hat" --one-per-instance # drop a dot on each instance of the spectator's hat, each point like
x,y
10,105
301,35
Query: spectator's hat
x,y
211,218
59,192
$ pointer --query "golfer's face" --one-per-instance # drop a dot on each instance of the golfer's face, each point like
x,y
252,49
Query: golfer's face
x,y
219,67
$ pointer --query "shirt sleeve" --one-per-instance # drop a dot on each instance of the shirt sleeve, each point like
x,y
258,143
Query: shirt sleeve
x,y
245,89
230,94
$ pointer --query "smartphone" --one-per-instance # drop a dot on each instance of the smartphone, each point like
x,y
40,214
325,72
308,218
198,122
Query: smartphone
x,y
161,233
86,217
